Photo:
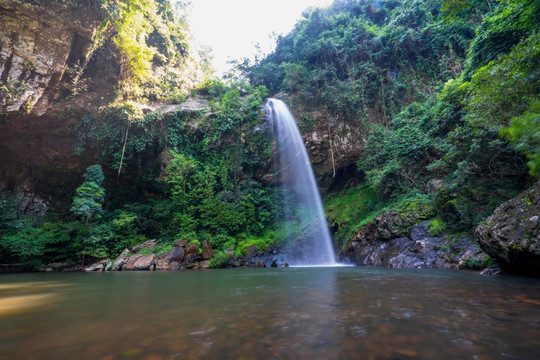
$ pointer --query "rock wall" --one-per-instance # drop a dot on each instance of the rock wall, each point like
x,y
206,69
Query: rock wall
x,y
39,40
45,45
333,144
512,233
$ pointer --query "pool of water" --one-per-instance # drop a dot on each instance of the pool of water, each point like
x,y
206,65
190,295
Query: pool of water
x,y
293,313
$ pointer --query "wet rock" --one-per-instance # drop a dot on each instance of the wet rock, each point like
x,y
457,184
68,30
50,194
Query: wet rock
x,y
261,264
274,264
150,244
418,232
175,265
192,266
512,234
140,262
175,254
204,264
474,259
207,251
99,266
493,270
418,250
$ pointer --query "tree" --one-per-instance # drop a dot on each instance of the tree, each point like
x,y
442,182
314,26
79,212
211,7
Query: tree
x,y
88,201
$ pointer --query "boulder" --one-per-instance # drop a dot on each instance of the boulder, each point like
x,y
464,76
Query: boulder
x,y
192,249
250,251
417,250
175,254
141,262
512,233
120,261
175,265
150,244
99,266
207,251
163,264
181,243
192,258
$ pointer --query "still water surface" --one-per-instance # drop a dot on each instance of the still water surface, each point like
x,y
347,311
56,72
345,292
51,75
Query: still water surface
x,y
295,313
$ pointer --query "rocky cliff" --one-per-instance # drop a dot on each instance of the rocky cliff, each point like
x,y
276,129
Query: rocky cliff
x,y
42,45
52,71
333,144
512,234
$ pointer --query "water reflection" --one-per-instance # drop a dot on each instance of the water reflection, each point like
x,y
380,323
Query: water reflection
x,y
298,313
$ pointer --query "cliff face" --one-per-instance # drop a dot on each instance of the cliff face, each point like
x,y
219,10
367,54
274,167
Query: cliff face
x,y
333,145
512,234
48,53
39,41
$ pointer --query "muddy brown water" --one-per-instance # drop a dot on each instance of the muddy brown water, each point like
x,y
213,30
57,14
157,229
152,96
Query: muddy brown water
x,y
294,313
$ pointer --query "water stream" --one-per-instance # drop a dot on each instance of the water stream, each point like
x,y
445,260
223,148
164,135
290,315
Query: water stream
x,y
302,200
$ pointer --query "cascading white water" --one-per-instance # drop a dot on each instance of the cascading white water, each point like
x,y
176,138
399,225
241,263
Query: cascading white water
x,y
302,202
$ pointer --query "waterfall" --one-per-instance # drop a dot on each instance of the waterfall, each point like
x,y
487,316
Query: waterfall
x,y
304,213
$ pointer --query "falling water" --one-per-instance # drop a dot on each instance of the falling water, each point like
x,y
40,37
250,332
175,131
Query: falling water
x,y
302,202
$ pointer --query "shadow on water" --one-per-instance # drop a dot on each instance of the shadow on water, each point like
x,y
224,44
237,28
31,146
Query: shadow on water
x,y
294,313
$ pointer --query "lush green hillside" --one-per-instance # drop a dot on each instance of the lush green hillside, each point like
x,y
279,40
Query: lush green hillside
x,y
447,92
157,171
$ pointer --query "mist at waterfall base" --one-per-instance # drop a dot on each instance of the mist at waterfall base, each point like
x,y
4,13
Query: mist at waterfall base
x,y
311,243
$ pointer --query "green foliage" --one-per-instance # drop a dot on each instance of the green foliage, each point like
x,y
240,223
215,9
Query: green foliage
x,y
41,245
349,208
366,66
497,34
396,160
148,32
261,242
87,203
524,140
436,227
158,250
220,259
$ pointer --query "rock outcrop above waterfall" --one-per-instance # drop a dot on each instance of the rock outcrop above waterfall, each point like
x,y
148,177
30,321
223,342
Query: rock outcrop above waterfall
x,y
512,234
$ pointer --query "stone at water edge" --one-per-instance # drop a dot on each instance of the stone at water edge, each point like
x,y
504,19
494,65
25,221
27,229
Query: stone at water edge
x,y
191,259
119,262
163,265
99,266
512,234
140,262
